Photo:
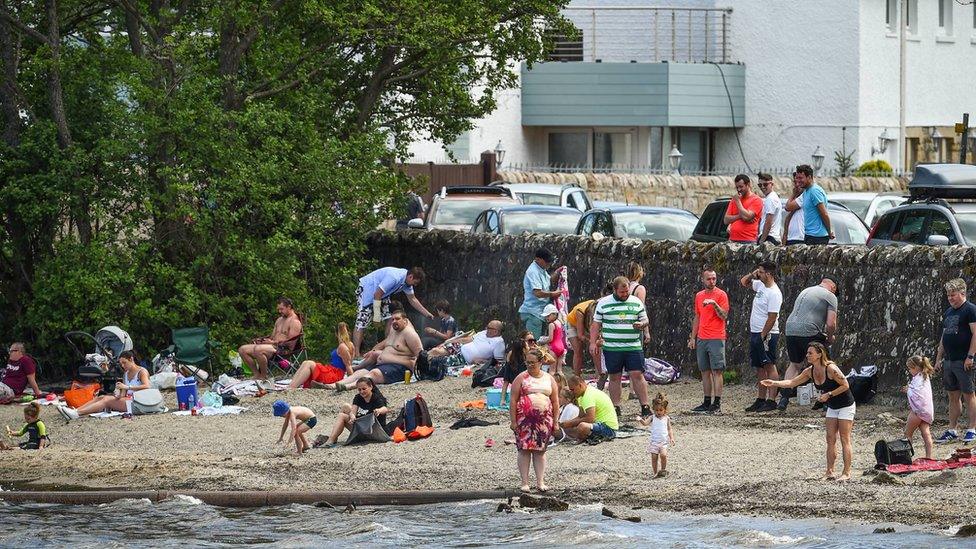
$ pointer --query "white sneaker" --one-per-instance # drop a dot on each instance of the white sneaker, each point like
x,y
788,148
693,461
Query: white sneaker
x,y
68,413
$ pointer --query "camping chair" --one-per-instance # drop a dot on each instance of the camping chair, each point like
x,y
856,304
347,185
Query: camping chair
x,y
193,347
293,351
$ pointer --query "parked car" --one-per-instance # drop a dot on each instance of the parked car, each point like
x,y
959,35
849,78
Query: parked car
x,y
543,194
933,214
640,222
847,226
527,219
868,206
455,208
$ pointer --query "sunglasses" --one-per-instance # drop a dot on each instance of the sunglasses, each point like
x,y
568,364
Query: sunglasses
x,y
530,341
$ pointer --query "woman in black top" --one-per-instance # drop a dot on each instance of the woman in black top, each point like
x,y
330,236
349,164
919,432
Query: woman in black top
x,y
369,400
515,358
836,394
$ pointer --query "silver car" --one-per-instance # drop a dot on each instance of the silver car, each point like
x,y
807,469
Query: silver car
x,y
868,206
544,194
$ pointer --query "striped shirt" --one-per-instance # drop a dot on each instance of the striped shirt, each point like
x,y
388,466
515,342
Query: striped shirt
x,y
617,320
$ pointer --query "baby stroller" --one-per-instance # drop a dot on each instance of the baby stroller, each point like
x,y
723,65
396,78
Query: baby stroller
x,y
102,366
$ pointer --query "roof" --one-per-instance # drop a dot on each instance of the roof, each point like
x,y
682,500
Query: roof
x,y
944,181
559,210
644,209
535,188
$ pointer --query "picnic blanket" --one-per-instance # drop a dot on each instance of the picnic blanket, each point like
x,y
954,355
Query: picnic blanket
x,y
212,411
922,464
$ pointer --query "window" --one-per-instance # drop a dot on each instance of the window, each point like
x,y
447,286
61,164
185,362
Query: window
x,y
885,226
940,225
566,48
945,16
911,18
611,150
578,200
603,225
587,227
910,231
569,149
891,15
491,222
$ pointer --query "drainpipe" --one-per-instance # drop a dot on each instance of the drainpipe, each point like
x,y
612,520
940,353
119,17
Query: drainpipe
x,y
902,20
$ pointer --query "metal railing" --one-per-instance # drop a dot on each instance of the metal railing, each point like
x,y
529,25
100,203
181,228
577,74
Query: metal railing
x,y
684,170
647,35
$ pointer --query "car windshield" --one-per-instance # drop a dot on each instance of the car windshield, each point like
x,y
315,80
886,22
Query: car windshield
x,y
847,227
857,205
463,212
967,226
536,199
655,225
541,222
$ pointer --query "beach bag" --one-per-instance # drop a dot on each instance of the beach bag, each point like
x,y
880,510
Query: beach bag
x,y
414,414
81,393
659,372
893,452
367,429
212,400
147,401
486,375
431,369
864,383
163,380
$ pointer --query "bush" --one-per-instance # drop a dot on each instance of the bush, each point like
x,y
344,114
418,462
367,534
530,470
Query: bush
x,y
874,167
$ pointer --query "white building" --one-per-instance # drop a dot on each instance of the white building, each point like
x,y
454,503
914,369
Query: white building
x,y
797,75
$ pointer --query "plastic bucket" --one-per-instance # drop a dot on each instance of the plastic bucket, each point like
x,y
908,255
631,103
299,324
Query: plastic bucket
x,y
493,398
804,394
186,387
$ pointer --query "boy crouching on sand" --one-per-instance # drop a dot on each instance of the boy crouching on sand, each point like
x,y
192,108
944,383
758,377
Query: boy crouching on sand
x,y
33,427
299,418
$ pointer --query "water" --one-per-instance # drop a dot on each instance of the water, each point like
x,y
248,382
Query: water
x,y
185,522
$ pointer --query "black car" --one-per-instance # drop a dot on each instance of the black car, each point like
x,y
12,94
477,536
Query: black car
x,y
640,222
527,219
847,226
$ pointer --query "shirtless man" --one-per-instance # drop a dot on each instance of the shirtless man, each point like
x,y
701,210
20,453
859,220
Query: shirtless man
x,y
391,358
257,353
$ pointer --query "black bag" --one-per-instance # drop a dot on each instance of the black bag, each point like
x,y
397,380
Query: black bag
x,y
433,369
893,452
485,375
367,429
864,383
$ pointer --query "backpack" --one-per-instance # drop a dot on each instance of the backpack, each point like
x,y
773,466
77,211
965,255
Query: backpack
x,y
414,414
431,369
485,375
893,452
659,372
147,401
864,383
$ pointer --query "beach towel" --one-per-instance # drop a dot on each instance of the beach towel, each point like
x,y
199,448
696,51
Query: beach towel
x,y
922,464
562,302
479,404
212,411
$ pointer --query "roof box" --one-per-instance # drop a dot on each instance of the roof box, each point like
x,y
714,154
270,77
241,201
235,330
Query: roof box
x,y
943,181
474,190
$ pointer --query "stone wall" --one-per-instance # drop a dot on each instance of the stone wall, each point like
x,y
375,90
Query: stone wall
x,y
692,193
891,298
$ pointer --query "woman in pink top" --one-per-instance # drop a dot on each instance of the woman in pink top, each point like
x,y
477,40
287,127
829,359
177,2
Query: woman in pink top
x,y
535,403
919,391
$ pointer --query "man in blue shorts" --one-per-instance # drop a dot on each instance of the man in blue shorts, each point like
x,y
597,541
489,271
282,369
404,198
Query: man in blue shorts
x,y
617,327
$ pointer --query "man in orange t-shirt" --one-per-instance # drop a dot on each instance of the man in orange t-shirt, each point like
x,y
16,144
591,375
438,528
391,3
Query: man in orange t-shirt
x,y
744,212
708,339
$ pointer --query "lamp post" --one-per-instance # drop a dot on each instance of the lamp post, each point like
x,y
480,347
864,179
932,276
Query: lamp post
x,y
499,154
936,136
818,158
883,140
674,159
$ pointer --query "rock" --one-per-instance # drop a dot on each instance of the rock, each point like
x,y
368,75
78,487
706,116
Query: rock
x,y
607,512
325,504
943,478
884,477
886,530
507,507
543,503
870,472
966,531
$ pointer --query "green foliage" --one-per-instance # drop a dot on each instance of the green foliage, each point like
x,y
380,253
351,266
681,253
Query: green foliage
x,y
844,161
874,167
218,155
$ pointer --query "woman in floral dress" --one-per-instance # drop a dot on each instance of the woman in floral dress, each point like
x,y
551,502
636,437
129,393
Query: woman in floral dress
x,y
534,398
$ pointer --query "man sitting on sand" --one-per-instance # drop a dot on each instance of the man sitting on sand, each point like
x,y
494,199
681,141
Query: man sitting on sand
x,y
284,338
479,348
394,357
597,418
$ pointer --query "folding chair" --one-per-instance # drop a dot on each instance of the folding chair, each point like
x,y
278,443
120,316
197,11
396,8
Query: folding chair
x,y
291,351
193,348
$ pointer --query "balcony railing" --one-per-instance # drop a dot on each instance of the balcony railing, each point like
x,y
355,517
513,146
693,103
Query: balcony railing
x,y
648,35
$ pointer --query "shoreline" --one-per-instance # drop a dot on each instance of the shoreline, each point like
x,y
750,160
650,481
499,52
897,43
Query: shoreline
x,y
748,464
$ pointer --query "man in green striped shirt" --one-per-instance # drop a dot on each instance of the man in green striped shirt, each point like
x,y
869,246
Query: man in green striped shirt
x,y
618,323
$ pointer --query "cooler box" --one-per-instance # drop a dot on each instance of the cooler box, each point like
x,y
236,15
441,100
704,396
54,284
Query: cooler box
x,y
493,398
186,387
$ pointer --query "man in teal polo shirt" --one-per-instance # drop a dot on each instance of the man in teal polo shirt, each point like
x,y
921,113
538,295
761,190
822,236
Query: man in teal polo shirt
x,y
536,284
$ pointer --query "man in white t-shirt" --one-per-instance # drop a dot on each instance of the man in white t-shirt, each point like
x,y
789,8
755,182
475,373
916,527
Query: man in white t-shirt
x,y
793,232
764,331
771,221
481,347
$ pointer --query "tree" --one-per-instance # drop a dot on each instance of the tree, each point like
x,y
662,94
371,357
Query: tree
x,y
173,163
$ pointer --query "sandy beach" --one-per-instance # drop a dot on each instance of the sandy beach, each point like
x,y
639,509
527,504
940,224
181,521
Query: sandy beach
x,y
768,464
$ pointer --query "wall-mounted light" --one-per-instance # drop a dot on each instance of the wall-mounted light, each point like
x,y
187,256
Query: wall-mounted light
x,y
499,154
883,141
674,159
818,158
